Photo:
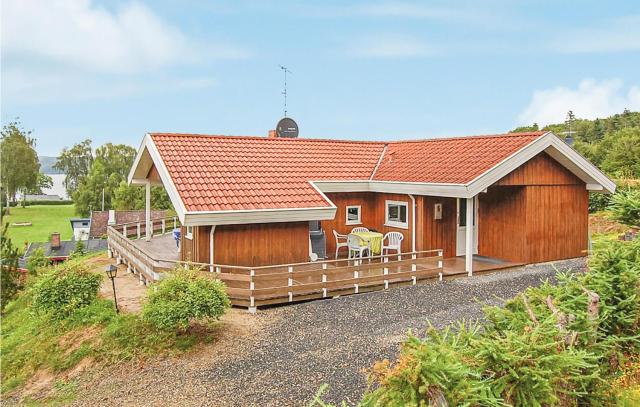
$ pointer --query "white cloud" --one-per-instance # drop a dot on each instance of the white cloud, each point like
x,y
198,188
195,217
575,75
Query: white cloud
x,y
590,100
77,50
617,35
79,34
391,47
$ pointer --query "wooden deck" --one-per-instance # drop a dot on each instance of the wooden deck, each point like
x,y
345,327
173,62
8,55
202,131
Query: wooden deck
x,y
286,283
456,265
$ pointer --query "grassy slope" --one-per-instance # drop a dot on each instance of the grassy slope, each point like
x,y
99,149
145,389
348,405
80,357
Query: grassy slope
x,y
34,346
45,219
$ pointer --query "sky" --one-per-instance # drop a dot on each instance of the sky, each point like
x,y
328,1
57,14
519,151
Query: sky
x,y
377,70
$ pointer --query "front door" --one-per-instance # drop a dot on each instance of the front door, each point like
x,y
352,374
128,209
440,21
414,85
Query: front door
x,y
462,226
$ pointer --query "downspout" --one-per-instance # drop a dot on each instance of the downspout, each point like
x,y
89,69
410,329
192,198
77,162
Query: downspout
x,y
413,223
211,268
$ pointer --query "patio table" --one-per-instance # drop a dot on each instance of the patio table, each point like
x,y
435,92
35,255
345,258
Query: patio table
x,y
374,239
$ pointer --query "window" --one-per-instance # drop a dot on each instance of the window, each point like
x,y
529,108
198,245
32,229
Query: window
x,y
396,214
189,234
353,215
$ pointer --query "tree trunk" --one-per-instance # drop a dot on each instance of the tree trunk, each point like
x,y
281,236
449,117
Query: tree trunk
x,y
8,205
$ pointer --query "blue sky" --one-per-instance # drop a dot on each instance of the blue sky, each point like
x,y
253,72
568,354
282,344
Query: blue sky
x,y
111,71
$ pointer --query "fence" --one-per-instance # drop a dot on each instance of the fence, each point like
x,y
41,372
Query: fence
x,y
276,284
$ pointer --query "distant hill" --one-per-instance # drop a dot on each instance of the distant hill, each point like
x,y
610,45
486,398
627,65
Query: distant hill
x,y
46,165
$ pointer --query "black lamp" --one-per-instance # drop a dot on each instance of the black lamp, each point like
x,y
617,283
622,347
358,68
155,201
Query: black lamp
x,y
112,272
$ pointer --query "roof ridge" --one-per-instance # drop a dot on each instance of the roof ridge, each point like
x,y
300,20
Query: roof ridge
x,y
374,142
475,136
276,139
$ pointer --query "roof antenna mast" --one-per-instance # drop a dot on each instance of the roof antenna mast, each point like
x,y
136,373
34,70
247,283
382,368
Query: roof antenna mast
x,y
284,92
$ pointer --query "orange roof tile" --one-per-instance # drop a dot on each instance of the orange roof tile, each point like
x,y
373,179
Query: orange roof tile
x,y
216,173
448,161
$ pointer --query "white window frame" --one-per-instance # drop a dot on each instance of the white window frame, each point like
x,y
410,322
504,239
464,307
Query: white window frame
x,y
394,223
188,232
353,222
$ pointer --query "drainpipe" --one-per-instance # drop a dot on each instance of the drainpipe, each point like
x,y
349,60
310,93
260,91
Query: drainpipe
x,y
413,223
211,267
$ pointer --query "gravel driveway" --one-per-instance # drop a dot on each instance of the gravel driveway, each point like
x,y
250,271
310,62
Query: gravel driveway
x,y
292,350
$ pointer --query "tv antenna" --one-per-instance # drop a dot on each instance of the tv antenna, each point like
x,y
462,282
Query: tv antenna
x,y
284,92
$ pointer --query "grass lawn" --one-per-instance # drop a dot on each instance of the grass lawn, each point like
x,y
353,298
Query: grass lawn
x,y
45,220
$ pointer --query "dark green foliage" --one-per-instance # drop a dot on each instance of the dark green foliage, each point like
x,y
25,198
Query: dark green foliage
x,y
9,273
625,206
65,289
78,251
612,143
185,296
56,202
551,345
19,167
37,261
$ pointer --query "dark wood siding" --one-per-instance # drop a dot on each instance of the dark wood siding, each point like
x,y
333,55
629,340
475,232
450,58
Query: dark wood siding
x,y
197,248
372,216
540,170
261,244
557,222
502,223
439,234
537,213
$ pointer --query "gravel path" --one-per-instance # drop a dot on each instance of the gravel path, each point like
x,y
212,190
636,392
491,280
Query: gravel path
x,y
290,351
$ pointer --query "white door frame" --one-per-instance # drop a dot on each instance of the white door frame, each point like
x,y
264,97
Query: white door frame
x,y
461,230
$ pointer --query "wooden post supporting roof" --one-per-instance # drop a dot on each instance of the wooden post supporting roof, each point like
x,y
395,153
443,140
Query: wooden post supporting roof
x,y
147,214
468,253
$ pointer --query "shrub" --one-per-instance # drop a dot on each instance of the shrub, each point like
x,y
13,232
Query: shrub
x,y
37,261
182,297
625,207
9,274
551,345
65,289
78,251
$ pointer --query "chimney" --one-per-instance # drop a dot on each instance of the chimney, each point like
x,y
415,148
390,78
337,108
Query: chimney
x,y
272,134
112,217
55,240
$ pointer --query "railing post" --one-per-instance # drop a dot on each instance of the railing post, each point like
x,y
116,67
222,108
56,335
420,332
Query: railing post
x,y
414,268
252,302
124,231
138,230
164,226
324,280
290,282
356,275
385,272
174,223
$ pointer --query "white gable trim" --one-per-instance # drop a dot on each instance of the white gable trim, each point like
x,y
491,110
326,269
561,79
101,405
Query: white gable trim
x,y
558,150
149,146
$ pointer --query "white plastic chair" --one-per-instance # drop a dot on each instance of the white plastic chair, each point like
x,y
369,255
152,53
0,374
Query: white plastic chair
x,y
359,229
394,242
341,241
356,246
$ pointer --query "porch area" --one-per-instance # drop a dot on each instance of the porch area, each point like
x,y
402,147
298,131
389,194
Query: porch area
x,y
153,254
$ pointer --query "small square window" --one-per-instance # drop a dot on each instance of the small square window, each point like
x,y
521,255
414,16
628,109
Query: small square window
x,y
189,233
353,215
396,214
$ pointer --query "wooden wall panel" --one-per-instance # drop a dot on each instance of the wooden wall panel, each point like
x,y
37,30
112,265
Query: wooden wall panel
x,y
373,216
439,234
261,244
556,222
540,170
197,248
501,223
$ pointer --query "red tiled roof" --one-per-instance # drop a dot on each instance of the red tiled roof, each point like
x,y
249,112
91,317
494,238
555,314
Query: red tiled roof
x,y
215,173
448,161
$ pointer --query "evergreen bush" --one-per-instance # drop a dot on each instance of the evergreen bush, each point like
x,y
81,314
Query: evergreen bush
x,y
551,345
625,207
64,289
185,296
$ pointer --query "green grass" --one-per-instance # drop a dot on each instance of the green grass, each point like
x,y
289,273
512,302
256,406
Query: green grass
x,y
34,343
45,220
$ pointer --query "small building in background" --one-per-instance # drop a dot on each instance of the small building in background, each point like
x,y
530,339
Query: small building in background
x,y
57,250
81,228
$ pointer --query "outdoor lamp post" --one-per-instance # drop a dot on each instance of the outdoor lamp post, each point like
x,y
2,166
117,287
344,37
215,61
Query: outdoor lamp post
x,y
112,271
